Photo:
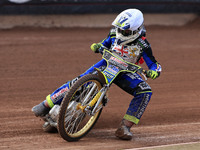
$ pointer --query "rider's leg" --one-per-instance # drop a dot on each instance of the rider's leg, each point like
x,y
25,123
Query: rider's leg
x,y
136,86
57,96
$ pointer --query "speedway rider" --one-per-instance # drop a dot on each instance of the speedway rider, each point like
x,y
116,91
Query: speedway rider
x,y
127,40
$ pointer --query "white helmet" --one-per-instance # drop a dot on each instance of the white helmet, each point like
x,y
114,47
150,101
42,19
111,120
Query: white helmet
x,y
129,25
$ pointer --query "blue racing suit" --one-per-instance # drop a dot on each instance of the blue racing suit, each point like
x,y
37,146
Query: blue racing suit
x,y
130,82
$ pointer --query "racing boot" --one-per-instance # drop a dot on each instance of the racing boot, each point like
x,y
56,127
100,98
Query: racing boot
x,y
123,132
41,109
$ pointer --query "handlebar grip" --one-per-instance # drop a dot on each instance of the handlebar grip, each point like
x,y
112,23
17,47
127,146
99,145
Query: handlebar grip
x,y
145,72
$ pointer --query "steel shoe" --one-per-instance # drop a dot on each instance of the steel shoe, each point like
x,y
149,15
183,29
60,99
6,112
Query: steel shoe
x,y
40,110
123,132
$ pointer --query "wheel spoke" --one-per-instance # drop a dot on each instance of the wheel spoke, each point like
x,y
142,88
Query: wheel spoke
x,y
79,120
70,120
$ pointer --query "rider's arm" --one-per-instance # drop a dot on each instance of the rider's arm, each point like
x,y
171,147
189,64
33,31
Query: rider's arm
x,y
107,42
150,59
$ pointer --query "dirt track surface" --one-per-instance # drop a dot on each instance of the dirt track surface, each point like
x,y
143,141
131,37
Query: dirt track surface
x,y
34,62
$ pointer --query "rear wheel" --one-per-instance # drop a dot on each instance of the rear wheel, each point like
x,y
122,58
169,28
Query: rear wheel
x,y
73,122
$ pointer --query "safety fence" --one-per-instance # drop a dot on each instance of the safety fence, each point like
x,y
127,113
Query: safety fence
x,y
38,7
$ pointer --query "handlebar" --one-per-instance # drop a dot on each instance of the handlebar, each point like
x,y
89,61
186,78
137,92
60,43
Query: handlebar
x,y
143,73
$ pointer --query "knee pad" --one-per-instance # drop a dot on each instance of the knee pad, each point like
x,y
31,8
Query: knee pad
x,y
143,87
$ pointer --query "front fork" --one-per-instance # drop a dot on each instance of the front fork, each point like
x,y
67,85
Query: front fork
x,y
96,104
100,95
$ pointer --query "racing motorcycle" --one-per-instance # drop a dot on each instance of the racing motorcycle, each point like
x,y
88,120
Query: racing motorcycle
x,y
83,103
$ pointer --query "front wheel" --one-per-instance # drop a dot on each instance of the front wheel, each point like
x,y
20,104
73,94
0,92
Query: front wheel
x,y
73,122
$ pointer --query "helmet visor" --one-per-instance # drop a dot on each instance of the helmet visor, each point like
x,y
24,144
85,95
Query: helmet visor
x,y
125,32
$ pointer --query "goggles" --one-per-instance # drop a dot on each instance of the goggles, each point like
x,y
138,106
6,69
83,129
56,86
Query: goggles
x,y
125,32
129,32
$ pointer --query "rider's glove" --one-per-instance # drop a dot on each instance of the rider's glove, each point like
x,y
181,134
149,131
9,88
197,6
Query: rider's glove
x,y
95,47
152,74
